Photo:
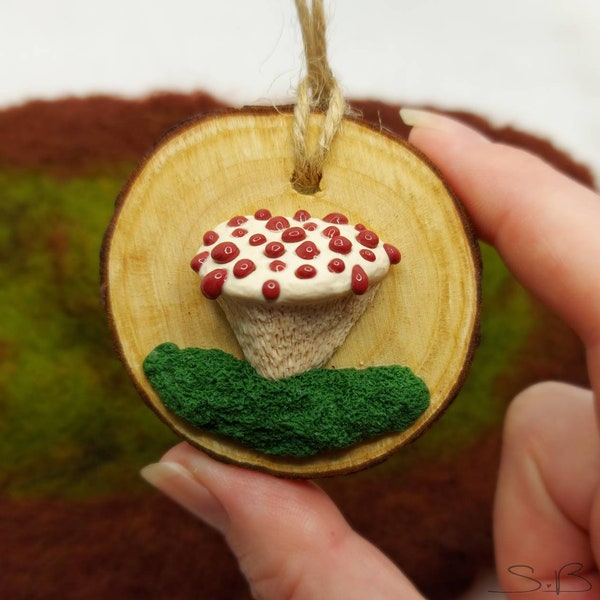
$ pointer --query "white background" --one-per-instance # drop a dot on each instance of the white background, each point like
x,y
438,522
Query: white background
x,y
534,64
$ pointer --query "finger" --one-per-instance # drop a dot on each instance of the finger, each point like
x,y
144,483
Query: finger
x,y
290,539
549,477
545,226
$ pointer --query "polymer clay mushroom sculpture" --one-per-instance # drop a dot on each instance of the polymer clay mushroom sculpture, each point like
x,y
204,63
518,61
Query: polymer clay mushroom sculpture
x,y
291,287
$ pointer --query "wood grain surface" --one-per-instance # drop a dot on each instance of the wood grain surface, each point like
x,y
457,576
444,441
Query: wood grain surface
x,y
426,313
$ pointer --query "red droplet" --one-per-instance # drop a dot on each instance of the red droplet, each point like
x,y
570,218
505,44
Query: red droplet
x,y
262,214
310,226
212,284
331,231
277,266
210,237
368,238
257,239
274,249
225,252
307,250
243,268
336,265
368,254
340,244
302,215
393,253
337,218
277,224
359,227
360,280
293,234
198,260
270,289
305,272
236,221
239,232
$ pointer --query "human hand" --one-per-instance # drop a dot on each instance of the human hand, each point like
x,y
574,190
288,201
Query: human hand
x,y
546,228
290,539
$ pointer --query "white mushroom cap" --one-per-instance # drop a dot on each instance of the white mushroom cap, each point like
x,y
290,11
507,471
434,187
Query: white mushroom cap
x,y
291,260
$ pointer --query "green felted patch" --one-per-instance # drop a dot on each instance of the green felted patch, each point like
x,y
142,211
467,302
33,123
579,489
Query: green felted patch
x,y
303,415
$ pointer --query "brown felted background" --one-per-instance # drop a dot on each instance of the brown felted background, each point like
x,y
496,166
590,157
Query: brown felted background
x,y
75,520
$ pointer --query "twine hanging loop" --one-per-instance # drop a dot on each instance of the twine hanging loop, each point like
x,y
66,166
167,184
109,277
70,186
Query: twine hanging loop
x,y
317,91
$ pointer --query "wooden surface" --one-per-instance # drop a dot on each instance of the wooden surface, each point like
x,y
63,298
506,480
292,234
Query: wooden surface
x,y
426,313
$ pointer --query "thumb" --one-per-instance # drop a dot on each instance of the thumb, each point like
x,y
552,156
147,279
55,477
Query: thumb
x,y
288,536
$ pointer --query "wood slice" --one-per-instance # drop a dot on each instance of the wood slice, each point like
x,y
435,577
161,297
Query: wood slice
x,y
426,313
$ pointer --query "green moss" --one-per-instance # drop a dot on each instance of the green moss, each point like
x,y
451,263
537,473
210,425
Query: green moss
x,y
303,415
68,411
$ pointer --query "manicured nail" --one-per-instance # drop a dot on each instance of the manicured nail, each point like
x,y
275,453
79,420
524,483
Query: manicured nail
x,y
414,117
176,482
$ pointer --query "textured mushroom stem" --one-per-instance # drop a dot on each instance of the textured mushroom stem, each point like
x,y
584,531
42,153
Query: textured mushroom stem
x,y
281,340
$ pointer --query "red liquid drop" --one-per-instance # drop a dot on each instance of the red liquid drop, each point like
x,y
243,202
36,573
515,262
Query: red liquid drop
x,y
302,215
212,284
243,268
239,232
198,260
393,253
331,231
257,239
236,221
274,249
277,266
360,280
367,255
277,224
270,289
368,238
225,252
262,214
307,250
340,244
310,226
293,234
337,218
305,272
210,237
336,265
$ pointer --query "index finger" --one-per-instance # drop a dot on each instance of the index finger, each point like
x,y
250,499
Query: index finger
x,y
545,226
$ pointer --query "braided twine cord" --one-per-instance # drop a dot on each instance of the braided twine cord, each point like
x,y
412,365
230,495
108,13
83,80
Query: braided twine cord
x,y
317,91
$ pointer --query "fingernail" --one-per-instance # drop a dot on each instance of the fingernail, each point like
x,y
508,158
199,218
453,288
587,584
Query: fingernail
x,y
176,482
414,117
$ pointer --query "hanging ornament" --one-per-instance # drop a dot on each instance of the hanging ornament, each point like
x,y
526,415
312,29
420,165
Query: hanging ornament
x,y
290,288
